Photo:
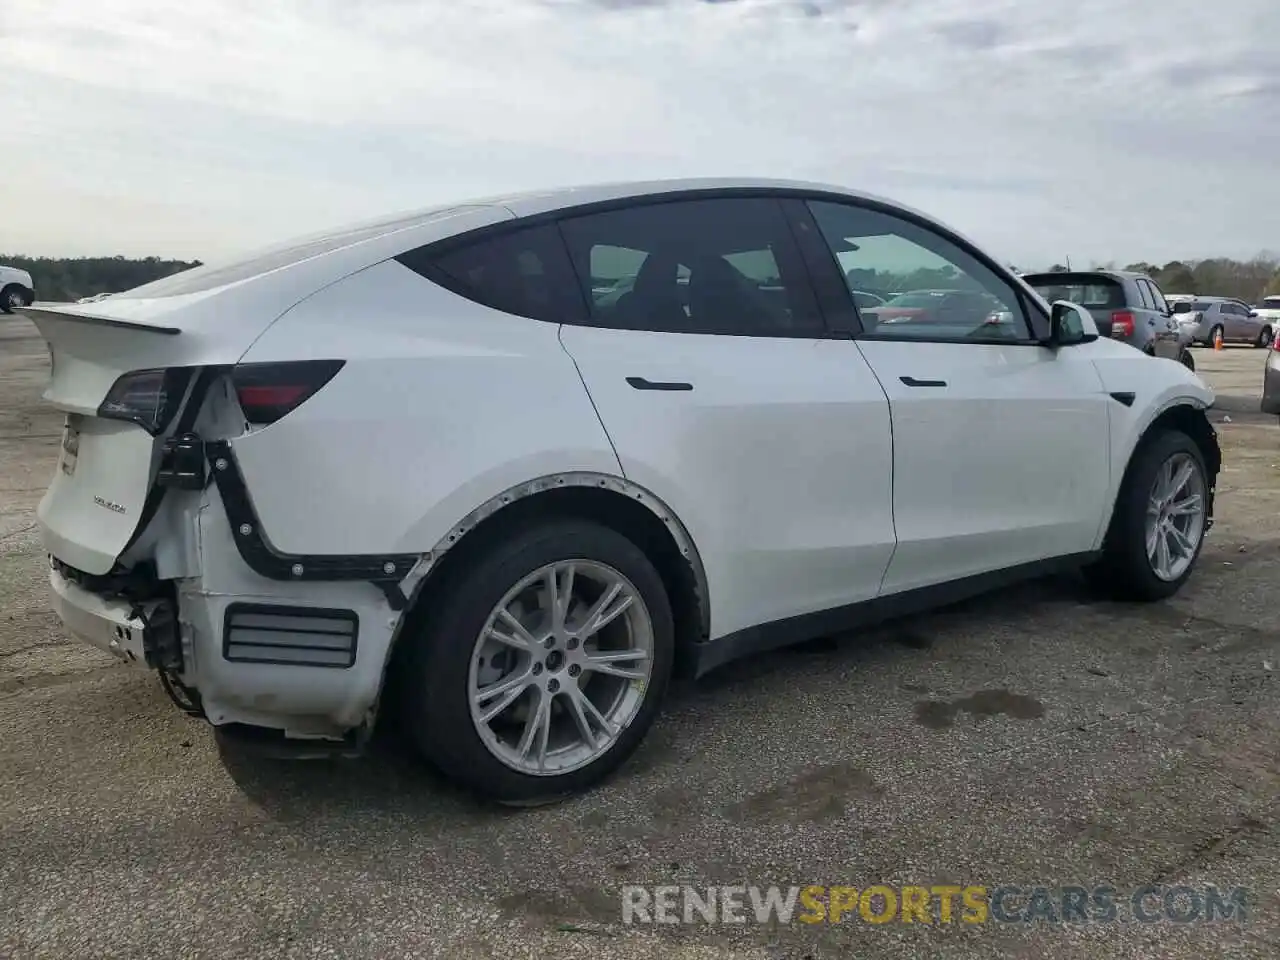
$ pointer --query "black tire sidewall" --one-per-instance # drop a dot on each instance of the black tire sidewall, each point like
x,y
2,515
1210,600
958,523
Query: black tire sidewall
x,y
438,662
1127,548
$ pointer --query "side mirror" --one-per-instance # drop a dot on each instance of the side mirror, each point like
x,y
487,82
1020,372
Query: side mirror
x,y
1253,313
1071,324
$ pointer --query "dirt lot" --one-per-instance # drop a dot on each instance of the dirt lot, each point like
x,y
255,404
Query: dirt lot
x,y
1129,746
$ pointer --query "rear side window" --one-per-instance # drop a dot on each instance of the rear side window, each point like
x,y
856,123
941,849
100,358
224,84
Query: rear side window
x,y
1161,303
1144,291
525,272
722,266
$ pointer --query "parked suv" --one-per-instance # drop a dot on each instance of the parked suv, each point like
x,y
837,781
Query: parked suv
x,y
508,503
1128,307
16,289
1234,319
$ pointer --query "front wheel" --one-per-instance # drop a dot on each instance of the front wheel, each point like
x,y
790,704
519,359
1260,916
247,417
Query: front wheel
x,y
1159,523
1188,361
540,670
1264,338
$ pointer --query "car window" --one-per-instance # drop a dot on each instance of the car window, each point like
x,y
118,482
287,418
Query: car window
x,y
1269,303
1090,292
725,266
524,272
1148,295
1161,303
951,295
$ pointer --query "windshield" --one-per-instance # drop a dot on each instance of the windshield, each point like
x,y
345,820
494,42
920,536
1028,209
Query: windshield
x,y
1268,303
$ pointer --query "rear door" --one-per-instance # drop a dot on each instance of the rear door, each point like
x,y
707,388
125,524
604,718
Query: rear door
x,y
1234,321
1162,331
723,393
1000,449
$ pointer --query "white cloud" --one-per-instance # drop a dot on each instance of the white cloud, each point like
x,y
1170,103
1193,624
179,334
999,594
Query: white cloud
x,y
1145,130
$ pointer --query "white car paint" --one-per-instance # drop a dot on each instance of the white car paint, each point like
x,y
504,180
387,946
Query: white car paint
x,y
994,506
801,427
799,477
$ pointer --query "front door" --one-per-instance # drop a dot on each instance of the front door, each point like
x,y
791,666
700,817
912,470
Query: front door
x,y
1001,456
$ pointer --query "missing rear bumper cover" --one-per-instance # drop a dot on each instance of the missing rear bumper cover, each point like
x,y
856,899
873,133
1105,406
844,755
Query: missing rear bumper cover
x,y
257,552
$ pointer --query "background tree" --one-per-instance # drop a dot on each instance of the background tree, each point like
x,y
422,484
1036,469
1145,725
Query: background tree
x,y
64,279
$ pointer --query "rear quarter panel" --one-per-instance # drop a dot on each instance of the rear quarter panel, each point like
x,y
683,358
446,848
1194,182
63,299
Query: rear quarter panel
x,y
442,405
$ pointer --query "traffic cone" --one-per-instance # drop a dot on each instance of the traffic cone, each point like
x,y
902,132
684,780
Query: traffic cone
x,y
1217,339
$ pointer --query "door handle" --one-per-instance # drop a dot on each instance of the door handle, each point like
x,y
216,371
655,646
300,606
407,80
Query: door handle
x,y
640,383
913,382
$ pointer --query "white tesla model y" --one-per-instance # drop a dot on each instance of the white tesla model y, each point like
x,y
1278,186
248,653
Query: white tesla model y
x,y
516,461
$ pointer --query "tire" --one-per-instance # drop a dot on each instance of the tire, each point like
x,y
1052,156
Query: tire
x,y
1264,337
1188,361
448,654
1124,572
12,297
1213,334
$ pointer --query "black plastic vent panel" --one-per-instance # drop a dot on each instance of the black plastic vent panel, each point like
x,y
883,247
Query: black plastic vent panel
x,y
291,636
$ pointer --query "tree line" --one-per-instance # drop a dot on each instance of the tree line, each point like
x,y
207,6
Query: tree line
x,y
66,279
69,279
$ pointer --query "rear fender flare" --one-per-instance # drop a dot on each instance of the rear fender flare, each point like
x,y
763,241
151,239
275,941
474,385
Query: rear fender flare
x,y
412,583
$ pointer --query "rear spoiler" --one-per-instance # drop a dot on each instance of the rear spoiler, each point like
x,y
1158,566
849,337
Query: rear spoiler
x,y
36,314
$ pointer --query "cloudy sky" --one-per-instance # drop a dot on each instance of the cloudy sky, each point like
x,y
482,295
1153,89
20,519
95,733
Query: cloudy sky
x,y
1096,129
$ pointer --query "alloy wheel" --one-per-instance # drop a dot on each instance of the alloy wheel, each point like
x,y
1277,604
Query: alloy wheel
x,y
1175,516
561,667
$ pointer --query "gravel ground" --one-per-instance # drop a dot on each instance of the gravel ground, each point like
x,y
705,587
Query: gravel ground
x,y
1037,737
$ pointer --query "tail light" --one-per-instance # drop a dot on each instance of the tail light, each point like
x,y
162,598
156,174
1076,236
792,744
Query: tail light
x,y
1122,324
149,398
1275,341
269,391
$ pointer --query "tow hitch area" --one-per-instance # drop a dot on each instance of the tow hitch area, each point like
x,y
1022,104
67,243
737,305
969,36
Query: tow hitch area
x,y
182,463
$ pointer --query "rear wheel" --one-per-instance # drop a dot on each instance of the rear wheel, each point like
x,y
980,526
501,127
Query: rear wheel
x,y
1159,523
539,671
1215,333
1264,337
